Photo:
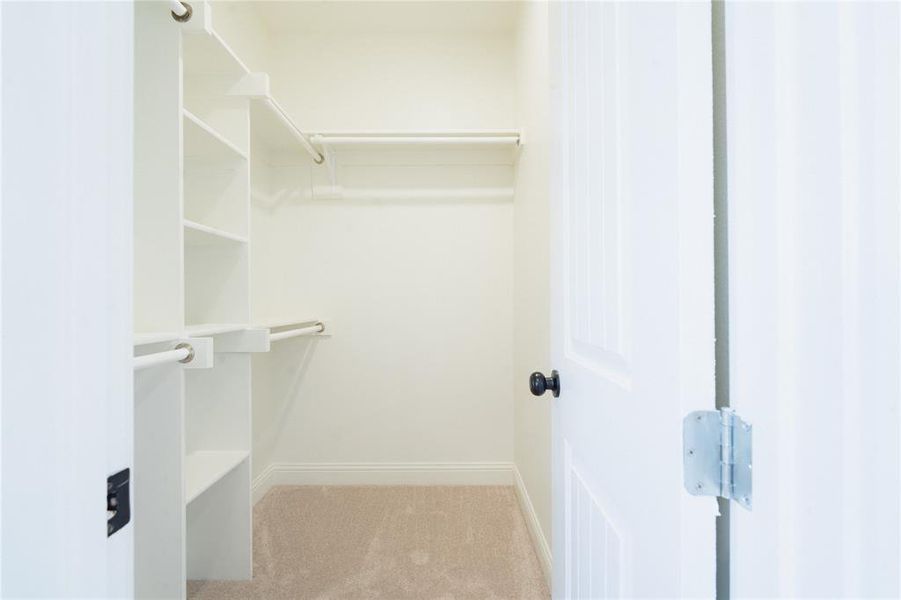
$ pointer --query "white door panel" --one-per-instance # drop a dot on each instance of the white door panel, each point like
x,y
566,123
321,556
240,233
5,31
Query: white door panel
x,y
633,297
813,172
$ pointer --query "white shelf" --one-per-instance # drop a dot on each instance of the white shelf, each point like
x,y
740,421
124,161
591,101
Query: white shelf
x,y
268,128
459,139
197,234
204,330
203,469
452,149
205,143
155,337
209,329
276,323
206,53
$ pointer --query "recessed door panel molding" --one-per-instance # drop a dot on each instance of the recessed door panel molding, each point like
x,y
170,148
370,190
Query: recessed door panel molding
x,y
597,322
632,296
594,549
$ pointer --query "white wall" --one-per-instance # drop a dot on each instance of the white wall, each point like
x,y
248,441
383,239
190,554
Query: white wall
x,y
239,23
531,309
407,81
420,292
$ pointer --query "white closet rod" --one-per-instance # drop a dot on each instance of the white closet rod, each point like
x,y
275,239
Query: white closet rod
x,y
181,11
283,335
362,140
318,158
182,353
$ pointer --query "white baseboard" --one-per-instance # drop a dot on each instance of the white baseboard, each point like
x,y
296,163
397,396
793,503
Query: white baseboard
x,y
539,540
474,473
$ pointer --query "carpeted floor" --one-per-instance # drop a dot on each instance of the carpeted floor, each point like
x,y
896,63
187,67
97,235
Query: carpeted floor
x,y
390,543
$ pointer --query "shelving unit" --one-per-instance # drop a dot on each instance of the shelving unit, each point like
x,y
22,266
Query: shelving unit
x,y
268,128
460,139
217,436
215,195
210,132
205,143
213,329
277,323
204,469
192,267
216,283
192,234
435,166
274,129
197,234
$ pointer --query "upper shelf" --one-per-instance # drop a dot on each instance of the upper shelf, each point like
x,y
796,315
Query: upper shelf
x,y
462,140
460,147
269,122
191,331
285,322
270,125
210,329
206,53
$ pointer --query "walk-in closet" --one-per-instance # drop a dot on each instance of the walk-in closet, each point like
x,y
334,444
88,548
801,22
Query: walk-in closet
x,y
340,271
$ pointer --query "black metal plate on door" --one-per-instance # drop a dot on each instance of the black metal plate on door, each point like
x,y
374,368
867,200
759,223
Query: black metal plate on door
x,y
118,501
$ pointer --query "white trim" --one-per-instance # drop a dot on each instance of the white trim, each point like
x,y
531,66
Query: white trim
x,y
469,473
539,540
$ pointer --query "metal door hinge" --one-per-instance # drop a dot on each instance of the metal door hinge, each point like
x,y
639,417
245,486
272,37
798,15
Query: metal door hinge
x,y
716,455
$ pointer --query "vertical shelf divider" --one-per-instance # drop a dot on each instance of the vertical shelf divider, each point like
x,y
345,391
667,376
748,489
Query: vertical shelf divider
x,y
216,222
193,436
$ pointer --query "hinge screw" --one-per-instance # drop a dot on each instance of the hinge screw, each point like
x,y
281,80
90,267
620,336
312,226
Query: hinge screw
x,y
691,451
699,486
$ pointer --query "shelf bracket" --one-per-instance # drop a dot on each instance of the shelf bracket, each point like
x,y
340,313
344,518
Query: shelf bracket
x,y
252,339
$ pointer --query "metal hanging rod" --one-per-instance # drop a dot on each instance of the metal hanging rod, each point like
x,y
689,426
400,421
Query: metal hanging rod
x,y
183,353
283,335
181,11
318,158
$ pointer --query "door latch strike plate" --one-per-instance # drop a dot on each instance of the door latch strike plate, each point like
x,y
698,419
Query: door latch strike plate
x,y
716,455
118,501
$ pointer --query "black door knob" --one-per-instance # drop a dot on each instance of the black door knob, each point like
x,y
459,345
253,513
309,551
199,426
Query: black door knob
x,y
539,384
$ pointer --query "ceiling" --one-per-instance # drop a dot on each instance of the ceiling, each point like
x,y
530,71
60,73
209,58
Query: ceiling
x,y
422,16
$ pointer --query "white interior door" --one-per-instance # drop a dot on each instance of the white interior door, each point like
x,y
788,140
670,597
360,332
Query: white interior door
x,y
633,322
66,296
813,187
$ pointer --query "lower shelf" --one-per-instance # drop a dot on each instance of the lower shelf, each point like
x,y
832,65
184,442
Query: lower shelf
x,y
203,469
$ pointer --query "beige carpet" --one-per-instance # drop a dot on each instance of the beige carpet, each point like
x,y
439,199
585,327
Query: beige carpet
x,y
390,543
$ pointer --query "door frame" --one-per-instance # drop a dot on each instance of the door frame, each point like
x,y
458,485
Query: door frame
x,y
66,276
